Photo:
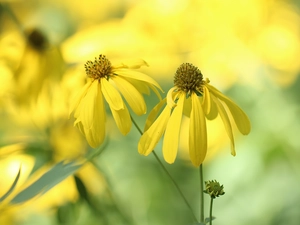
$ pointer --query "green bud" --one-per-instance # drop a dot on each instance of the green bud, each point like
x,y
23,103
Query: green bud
x,y
214,189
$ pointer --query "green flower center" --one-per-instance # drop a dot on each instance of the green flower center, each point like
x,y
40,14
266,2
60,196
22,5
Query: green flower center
x,y
188,78
100,68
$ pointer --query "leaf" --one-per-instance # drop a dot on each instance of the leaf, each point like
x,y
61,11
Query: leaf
x,y
12,186
81,188
48,180
207,220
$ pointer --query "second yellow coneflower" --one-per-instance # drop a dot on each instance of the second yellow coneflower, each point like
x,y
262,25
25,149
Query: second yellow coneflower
x,y
196,98
112,82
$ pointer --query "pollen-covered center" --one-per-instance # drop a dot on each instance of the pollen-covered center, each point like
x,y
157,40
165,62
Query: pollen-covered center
x,y
100,68
188,78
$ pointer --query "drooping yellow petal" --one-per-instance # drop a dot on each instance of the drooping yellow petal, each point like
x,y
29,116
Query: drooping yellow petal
x,y
213,109
137,76
170,97
78,97
98,129
171,137
91,117
226,123
187,107
141,86
155,91
79,126
240,118
151,136
206,100
153,114
131,64
77,111
88,106
112,96
132,96
122,119
197,133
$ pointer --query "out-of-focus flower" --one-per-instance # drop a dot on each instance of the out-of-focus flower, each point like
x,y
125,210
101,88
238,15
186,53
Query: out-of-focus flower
x,y
196,98
103,79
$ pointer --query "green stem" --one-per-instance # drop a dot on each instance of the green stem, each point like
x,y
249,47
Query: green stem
x,y
167,172
201,194
210,211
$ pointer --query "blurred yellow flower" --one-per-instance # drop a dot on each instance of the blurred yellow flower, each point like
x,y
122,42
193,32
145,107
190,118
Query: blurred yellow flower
x,y
104,78
197,99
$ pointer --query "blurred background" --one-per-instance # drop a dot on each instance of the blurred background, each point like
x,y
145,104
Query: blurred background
x,y
249,50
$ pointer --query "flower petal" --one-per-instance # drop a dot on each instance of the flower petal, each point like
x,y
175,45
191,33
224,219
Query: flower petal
x,y
79,126
112,96
137,76
132,96
213,112
198,133
240,118
151,137
88,106
141,86
226,123
131,64
170,144
91,116
98,129
153,114
122,119
170,97
206,100
78,97
155,91
187,107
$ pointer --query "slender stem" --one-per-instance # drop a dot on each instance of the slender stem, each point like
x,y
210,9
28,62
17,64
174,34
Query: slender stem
x,y
175,184
167,172
136,126
201,194
210,211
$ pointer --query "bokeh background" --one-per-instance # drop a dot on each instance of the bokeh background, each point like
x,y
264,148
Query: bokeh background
x,y
249,49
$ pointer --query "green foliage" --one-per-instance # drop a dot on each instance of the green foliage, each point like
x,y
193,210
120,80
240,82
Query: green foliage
x,y
12,186
48,180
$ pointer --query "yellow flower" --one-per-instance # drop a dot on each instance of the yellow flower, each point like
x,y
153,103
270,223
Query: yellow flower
x,y
196,98
104,79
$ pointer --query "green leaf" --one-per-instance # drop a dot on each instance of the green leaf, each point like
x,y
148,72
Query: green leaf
x,y
81,189
12,186
48,180
207,220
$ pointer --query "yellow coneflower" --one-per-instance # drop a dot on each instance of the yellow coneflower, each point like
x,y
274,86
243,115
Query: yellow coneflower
x,y
112,82
196,98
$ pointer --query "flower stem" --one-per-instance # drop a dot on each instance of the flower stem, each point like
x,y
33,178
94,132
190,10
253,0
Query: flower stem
x,y
201,194
167,172
210,211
